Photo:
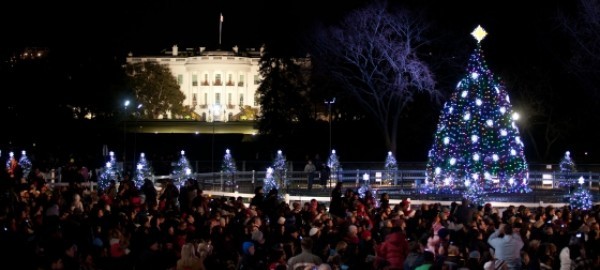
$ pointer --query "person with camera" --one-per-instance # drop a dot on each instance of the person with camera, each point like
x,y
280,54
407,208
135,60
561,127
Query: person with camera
x,y
507,245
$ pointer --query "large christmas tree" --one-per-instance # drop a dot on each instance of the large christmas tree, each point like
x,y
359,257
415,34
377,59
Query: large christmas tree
x,y
477,141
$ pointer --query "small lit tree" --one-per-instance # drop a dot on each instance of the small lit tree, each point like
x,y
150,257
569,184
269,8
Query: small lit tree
x,y
581,199
25,163
567,168
228,168
334,165
181,170
11,160
280,169
474,192
269,182
12,164
143,171
391,168
110,172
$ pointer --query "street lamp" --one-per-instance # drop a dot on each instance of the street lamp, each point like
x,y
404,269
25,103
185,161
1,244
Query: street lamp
x,y
126,105
215,110
329,103
137,115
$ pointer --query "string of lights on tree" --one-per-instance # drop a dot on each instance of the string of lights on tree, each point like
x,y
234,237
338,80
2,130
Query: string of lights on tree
x,y
11,160
366,190
109,172
333,163
12,164
581,198
228,168
280,168
181,170
143,171
477,140
567,168
391,167
269,182
25,163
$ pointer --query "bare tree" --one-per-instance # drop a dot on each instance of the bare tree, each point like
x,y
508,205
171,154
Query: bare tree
x,y
372,54
583,28
545,126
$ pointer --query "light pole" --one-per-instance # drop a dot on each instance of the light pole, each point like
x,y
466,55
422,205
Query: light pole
x,y
329,103
215,110
126,105
137,115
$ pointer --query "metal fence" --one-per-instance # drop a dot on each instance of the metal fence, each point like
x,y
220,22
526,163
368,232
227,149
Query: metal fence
x,y
245,181
398,184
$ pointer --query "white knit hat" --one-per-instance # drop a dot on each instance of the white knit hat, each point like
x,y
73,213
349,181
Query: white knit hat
x,y
281,221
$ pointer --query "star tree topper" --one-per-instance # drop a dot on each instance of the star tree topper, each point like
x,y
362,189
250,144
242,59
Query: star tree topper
x,y
479,33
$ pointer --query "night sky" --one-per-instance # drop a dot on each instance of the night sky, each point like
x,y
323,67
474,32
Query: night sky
x,y
150,26
523,37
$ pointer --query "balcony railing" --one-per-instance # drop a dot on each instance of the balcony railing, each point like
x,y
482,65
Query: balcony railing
x,y
218,82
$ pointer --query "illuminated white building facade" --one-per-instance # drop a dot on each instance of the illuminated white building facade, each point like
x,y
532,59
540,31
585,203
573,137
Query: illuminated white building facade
x,y
216,84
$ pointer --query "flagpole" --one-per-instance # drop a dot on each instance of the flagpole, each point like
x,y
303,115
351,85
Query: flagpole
x,y
220,27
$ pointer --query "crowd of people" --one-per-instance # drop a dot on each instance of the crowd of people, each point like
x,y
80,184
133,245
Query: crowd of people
x,y
177,227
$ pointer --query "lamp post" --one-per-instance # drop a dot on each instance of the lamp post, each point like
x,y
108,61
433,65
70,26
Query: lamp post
x,y
329,103
215,110
126,105
137,115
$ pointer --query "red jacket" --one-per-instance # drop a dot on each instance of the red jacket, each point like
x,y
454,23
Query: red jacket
x,y
393,251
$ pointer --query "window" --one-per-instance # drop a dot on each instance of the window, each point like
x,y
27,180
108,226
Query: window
x,y
218,98
230,101
218,79
229,80
241,81
205,103
205,82
256,99
194,80
194,100
241,99
179,79
256,79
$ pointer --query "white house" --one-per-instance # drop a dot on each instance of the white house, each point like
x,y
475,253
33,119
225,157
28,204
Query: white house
x,y
216,84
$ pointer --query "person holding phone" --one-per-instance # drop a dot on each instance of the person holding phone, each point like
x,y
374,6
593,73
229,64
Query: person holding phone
x,y
507,245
